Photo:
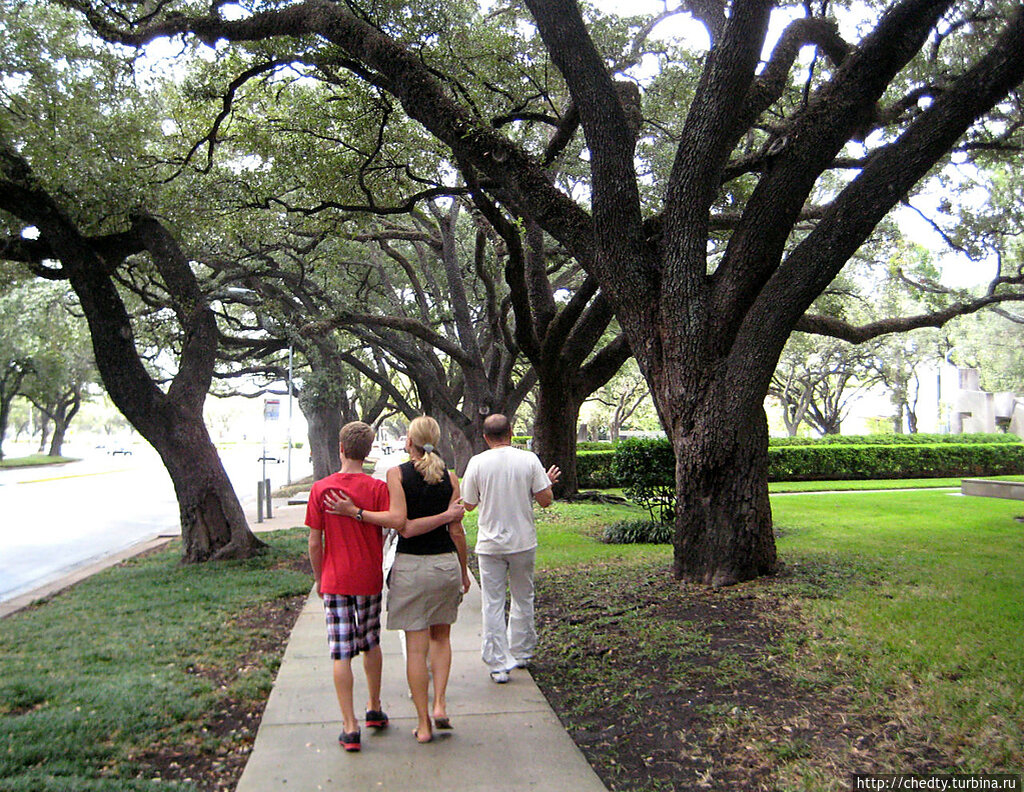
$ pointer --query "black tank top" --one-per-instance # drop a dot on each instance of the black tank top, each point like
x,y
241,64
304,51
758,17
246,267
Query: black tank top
x,y
424,500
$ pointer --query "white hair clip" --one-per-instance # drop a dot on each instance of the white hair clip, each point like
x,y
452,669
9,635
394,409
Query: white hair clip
x,y
428,448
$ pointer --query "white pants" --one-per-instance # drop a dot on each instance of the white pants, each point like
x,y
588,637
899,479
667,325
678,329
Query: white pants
x,y
504,644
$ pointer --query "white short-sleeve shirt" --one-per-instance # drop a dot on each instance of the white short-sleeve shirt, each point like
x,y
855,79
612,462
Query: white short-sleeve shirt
x,y
503,481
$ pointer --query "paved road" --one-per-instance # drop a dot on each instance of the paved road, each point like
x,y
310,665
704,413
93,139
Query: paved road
x,y
55,519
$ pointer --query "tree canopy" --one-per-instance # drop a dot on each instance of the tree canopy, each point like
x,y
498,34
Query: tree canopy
x,y
710,196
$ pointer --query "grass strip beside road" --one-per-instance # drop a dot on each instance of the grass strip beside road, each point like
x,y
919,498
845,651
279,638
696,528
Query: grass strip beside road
x,y
150,675
34,460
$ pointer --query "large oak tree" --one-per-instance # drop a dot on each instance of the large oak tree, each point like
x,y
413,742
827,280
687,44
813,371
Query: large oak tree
x,y
213,524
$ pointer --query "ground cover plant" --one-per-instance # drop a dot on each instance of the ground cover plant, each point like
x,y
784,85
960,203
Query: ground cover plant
x,y
886,643
150,675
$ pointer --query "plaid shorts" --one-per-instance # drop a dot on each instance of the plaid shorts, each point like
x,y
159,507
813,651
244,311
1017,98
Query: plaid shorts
x,y
353,624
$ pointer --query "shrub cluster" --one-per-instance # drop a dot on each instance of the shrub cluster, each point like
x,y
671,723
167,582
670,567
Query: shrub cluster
x,y
638,532
646,469
594,469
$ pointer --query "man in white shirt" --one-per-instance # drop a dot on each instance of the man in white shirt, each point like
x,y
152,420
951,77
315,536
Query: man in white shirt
x,y
505,481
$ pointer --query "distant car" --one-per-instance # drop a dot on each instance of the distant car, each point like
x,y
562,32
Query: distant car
x,y
269,458
120,450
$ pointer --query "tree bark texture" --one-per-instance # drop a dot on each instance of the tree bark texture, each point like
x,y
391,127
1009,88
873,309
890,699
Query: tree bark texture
x,y
324,422
554,432
207,503
723,518
63,413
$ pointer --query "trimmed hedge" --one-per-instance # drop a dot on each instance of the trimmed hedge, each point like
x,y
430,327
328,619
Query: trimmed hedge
x,y
831,457
645,468
934,460
594,469
595,445
892,439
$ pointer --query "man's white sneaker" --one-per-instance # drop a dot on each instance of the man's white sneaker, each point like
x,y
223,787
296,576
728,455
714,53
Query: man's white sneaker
x,y
524,663
501,677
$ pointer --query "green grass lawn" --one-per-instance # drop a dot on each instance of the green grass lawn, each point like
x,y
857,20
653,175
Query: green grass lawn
x,y
137,664
875,484
908,604
921,603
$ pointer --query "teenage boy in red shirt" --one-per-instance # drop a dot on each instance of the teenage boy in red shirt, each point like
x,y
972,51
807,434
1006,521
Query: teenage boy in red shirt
x,y
346,515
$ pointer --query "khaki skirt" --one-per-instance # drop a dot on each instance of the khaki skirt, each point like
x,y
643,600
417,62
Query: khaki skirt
x,y
423,590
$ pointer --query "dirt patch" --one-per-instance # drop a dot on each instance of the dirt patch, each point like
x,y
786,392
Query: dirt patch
x,y
232,727
668,686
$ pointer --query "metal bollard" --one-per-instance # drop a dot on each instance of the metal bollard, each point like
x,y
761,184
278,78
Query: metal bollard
x,y
259,501
266,495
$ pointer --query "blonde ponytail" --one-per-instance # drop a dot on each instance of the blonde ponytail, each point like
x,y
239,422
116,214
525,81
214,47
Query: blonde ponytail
x,y
425,434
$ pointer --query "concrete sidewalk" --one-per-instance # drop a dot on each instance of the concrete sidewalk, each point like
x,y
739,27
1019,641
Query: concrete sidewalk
x,y
505,737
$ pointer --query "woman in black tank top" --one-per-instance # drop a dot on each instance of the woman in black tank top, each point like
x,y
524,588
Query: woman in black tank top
x,y
429,575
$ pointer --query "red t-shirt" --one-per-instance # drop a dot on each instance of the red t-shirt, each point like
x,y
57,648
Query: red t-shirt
x,y
353,550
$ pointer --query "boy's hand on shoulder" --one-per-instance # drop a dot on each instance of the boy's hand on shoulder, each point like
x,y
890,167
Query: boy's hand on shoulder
x,y
337,502
456,511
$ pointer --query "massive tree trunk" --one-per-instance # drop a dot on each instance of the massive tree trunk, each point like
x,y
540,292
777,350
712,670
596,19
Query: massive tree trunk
x,y
557,340
213,524
60,412
207,503
10,383
554,431
63,413
44,431
323,427
324,421
564,382
723,517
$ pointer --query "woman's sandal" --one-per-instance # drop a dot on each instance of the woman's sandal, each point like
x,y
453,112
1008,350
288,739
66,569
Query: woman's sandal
x,y
421,741
442,723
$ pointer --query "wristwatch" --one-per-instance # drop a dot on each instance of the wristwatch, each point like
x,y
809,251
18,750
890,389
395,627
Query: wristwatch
x,y
359,515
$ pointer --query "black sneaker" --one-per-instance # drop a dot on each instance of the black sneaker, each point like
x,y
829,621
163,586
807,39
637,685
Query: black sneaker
x,y
350,741
376,719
